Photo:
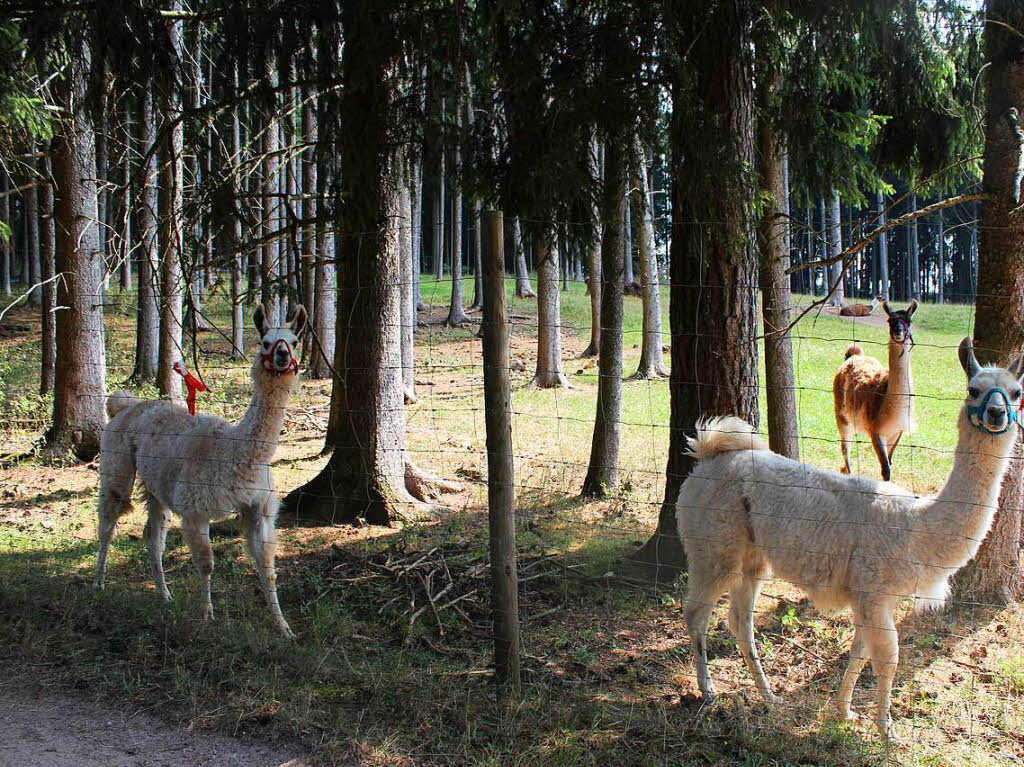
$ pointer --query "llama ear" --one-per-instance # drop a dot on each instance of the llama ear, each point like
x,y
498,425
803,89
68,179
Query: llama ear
x,y
259,320
1016,368
298,321
967,359
912,308
885,306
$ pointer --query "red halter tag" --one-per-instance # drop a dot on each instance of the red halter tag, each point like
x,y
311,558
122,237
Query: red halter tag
x,y
194,385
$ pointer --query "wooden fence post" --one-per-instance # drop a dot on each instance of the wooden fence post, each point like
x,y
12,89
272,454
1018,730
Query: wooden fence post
x,y
500,490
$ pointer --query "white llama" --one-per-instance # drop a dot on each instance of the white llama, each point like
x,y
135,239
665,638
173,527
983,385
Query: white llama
x,y
746,513
202,468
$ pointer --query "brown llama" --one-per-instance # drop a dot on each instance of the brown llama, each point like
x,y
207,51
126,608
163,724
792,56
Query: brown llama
x,y
874,401
859,310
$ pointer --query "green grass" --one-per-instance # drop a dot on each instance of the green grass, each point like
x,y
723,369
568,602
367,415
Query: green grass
x,y
608,677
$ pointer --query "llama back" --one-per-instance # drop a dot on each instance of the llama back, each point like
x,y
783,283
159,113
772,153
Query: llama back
x,y
723,434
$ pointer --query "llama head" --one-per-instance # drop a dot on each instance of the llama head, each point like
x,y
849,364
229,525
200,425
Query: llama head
x,y
993,393
278,345
899,322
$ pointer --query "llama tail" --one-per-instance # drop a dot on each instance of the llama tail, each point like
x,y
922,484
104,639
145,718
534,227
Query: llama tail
x,y
723,434
854,349
120,400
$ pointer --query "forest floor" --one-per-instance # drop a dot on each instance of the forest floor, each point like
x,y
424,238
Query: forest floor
x,y
387,670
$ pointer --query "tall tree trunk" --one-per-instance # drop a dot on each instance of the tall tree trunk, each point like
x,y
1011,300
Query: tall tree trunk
x,y
627,233
170,221
549,372
523,289
834,235
712,311
883,246
309,241
31,215
48,268
325,286
417,223
270,250
603,471
594,258
369,473
914,257
80,377
940,243
124,224
407,293
652,364
439,207
5,242
780,390
147,337
456,312
995,572
235,217
474,207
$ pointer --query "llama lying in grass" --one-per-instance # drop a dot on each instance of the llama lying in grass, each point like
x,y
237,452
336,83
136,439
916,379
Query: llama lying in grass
x,y
746,513
874,401
859,310
202,468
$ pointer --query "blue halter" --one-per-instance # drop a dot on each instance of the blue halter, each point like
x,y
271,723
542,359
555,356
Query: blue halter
x,y
979,411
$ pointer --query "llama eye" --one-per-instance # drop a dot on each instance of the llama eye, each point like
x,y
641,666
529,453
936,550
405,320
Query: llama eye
x,y
1015,394
972,392
266,344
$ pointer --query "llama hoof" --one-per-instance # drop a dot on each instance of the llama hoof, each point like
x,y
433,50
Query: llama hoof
x,y
97,585
286,632
166,597
849,715
207,612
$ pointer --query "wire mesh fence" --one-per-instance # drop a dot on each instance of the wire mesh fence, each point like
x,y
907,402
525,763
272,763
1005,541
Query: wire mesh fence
x,y
408,607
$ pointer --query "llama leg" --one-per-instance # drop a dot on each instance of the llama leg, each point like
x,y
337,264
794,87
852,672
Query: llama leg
x,y
259,523
883,647
741,621
114,504
156,541
892,447
846,438
878,443
858,657
700,602
197,536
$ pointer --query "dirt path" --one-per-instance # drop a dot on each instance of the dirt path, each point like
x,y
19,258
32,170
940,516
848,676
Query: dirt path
x,y
45,729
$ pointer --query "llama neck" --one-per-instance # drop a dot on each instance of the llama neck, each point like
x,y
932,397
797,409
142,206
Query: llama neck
x,y
261,425
900,380
951,526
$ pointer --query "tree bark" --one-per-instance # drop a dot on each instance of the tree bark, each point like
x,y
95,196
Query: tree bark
x,y
549,372
780,390
594,258
940,242
270,252
627,232
48,268
712,310
456,312
170,222
652,364
5,242
913,256
883,246
995,573
834,237
147,337
80,376
603,471
124,224
523,288
369,474
31,214
407,292
309,239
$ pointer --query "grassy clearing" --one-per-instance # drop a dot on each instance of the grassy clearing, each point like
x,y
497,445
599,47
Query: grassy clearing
x,y
608,672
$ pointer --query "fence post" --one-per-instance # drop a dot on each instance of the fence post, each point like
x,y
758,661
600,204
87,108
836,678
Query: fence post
x,y
500,490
